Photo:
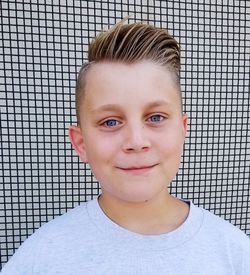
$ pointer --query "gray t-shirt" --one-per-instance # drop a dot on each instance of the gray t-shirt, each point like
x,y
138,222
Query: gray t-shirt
x,y
86,241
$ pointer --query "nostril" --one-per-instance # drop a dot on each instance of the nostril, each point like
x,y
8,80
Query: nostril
x,y
136,148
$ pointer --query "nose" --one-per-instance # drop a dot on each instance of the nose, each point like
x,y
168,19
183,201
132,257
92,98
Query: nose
x,y
136,139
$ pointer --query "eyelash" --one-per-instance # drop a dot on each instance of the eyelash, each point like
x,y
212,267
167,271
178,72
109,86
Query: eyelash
x,y
109,120
161,118
115,123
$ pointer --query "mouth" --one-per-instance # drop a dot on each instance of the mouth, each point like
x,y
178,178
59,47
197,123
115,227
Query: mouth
x,y
138,169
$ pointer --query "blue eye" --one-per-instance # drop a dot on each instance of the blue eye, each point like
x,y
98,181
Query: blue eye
x,y
111,123
156,118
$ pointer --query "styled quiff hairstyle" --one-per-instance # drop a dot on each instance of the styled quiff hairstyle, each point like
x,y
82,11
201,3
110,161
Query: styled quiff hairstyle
x,y
130,43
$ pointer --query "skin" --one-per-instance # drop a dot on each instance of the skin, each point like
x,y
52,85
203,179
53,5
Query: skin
x,y
132,133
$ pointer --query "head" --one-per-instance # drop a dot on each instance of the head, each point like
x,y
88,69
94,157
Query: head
x,y
130,44
131,128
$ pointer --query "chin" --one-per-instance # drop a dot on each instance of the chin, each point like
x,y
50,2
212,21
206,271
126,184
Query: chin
x,y
137,197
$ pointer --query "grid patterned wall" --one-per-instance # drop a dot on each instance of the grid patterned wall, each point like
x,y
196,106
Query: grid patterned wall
x,y
42,47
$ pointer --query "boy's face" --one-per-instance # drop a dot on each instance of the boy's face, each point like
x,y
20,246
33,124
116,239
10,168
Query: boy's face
x,y
132,129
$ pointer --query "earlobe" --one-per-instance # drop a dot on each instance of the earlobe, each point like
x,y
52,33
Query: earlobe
x,y
77,141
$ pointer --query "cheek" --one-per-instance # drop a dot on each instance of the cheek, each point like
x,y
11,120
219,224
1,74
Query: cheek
x,y
172,134
100,148
171,145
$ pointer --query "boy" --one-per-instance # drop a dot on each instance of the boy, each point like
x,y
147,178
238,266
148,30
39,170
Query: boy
x,y
131,131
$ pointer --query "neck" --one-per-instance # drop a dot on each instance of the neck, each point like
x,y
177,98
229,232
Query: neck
x,y
152,217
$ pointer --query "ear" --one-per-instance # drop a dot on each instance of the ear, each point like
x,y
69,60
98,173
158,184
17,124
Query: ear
x,y
77,141
184,126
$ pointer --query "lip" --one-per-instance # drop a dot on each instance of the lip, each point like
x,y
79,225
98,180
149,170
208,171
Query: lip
x,y
138,169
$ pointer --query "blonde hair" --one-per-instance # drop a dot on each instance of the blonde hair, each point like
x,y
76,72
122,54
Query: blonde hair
x,y
130,43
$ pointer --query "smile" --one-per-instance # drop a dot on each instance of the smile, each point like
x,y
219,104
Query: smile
x,y
138,169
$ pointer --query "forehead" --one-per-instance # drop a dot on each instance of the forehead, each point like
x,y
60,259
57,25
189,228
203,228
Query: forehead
x,y
113,70
119,83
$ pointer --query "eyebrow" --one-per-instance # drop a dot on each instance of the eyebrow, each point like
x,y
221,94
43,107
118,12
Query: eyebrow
x,y
106,108
158,103
117,107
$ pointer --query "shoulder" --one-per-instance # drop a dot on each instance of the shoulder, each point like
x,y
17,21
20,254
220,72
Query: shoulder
x,y
71,219
225,239
52,237
220,242
215,230
68,222
222,229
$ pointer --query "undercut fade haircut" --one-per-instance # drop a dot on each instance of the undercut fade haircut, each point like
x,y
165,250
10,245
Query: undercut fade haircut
x,y
128,44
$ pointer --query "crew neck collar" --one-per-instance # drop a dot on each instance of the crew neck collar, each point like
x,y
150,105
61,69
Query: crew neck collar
x,y
168,240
